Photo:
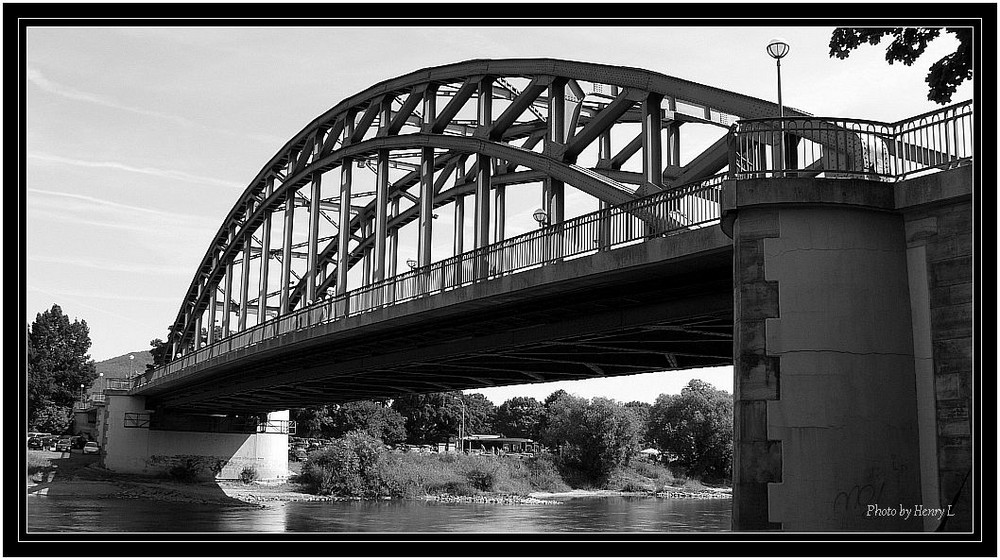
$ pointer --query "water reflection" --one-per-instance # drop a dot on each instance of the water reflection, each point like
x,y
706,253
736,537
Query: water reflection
x,y
580,515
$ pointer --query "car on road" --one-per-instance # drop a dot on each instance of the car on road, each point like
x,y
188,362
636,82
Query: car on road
x,y
91,447
35,443
64,445
298,454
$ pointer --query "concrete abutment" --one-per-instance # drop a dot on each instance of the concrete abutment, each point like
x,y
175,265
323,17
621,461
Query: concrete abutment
x,y
130,445
852,352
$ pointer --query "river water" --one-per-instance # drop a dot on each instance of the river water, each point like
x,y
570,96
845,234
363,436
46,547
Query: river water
x,y
615,514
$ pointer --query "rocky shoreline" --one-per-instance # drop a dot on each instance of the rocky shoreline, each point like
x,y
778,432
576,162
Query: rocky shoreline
x,y
90,481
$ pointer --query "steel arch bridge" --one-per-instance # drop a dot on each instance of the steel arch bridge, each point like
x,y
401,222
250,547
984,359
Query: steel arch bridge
x,y
534,120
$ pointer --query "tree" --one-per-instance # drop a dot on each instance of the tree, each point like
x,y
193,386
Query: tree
x,y
519,417
641,410
58,363
594,437
52,419
378,420
160,353
696,427
480,414
435,417
908,44
310,421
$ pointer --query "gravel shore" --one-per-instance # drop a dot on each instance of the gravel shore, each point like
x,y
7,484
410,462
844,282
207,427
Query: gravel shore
x,y
77,475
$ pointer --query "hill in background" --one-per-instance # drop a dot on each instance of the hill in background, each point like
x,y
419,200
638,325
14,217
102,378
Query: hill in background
x,y
122,366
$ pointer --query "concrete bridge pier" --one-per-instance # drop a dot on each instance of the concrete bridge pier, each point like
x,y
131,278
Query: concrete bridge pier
x,y
209,447
826,407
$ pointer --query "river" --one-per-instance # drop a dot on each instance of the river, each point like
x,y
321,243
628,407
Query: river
x,y
614,514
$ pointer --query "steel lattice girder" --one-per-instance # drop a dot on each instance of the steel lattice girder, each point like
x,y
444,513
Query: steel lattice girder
x,y
314,149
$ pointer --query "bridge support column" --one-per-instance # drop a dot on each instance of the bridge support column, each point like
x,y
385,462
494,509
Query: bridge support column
x,y
133,442
825,407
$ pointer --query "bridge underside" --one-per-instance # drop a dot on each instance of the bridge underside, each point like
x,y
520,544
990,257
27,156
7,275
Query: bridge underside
x,y
549,324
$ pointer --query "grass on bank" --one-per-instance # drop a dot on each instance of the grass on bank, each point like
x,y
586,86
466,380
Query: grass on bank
x,y
358,467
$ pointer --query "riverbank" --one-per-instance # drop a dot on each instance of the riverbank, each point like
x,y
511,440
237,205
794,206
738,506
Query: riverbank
x,y
77,475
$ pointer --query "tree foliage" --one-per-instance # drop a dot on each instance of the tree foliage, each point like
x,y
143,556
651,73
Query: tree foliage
x,y
696,428
907,45
58,363
593,436
374,418
435,417
519,417
354,465
160,351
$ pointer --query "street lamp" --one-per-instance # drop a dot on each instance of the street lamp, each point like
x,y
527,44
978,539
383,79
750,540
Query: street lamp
x,y
777,49
411,263
541,217
131,367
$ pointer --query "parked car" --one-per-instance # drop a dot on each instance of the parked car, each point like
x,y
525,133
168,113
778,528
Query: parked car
x,y
65,444
34,443
91,447
297,454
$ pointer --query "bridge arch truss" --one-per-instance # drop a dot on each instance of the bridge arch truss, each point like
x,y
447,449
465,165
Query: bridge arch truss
x,y
398,151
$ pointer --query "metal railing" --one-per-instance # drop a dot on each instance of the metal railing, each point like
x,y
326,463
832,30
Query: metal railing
x,y
684,208
852,148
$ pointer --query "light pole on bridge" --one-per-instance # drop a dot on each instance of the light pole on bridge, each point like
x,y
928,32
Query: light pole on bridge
x,y
778,48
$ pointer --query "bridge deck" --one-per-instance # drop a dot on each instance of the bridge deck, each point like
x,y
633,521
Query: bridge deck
x,y
659,305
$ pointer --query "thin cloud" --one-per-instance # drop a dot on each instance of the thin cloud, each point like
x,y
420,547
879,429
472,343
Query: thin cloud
x,y
162,173
91,307
37,78
110,266
107,203
107,296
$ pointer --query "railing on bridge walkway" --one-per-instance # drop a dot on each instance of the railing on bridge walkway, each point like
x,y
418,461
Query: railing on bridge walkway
x,y
664,213
852,148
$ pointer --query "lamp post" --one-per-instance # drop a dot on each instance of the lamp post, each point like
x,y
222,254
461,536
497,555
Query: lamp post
x,y
131,366
541,217
411,263
777,49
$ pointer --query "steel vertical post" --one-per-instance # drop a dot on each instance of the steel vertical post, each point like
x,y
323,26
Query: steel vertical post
x,y
265,257
554,197
393,240
500,208
381,206
426,220
197,332
286,251
484,167
673,136
652,149
344,233
604,222
245,280
457,242
212,304
227,294
315,194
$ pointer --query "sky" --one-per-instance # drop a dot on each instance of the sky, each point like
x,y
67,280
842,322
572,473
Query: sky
x,y
139,140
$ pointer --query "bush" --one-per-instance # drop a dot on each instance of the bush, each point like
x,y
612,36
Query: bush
x,y
188,468
352,466
248,474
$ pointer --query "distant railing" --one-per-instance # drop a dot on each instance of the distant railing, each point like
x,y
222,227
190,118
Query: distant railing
x,y
118,383
664,213
852,148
